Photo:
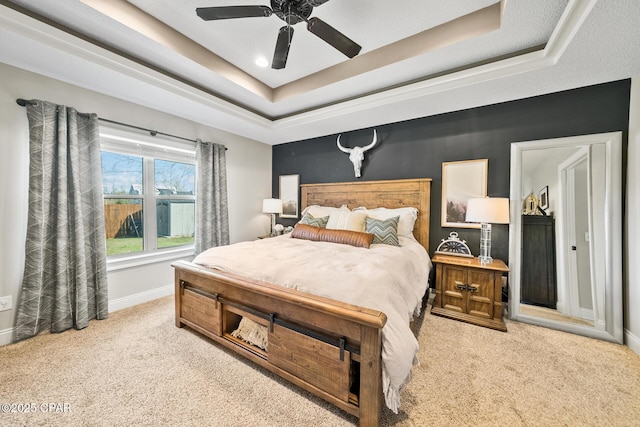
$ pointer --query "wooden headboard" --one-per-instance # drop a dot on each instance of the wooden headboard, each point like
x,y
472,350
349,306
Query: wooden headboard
x,y
373,194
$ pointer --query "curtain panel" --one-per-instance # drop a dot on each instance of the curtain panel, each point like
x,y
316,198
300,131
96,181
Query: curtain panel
x,y
212,212
65,273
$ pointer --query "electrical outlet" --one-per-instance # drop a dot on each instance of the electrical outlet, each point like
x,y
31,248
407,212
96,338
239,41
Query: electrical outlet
x,y
6,303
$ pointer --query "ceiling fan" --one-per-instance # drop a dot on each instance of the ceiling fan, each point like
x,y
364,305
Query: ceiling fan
x,y
291,12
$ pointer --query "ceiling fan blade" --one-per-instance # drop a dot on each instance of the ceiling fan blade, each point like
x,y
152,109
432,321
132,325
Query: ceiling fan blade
x,y
230,12
334,37
282,47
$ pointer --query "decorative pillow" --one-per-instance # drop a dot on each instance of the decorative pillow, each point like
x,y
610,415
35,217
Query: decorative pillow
x,y
347,220
316,222
321,211
385,231
408,217
345,237
252,333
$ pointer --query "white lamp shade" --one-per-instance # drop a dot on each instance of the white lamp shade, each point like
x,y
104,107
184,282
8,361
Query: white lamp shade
x,y
490,210
272,206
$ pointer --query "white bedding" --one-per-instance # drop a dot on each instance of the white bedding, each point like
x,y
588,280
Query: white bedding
x,y
385,278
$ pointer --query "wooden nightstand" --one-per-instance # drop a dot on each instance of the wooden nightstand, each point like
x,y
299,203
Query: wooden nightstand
x,y
469,291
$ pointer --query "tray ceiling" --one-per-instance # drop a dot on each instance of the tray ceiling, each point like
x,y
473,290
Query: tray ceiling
x,y
411,52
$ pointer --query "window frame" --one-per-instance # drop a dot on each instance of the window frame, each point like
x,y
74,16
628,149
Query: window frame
x,y
150,148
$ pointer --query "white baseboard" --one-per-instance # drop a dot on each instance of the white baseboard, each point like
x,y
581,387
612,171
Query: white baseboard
x,y
632,341
6,336
140,297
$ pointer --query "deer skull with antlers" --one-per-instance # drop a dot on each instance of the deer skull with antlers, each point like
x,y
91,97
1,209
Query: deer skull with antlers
x,y
356,154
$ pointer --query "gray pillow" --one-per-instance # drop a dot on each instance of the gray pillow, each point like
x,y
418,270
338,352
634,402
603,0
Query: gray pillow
x,y
316,222
384,231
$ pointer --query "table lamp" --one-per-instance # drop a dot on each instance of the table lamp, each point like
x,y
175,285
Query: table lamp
x,y
273,207
487,211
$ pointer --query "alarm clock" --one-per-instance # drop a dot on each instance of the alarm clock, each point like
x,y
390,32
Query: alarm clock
x,y
454,246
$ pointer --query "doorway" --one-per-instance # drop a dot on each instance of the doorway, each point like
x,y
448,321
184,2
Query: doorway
x,y
574,239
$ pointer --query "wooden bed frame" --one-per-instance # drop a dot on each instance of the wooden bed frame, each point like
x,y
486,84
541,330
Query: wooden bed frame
x,y
327,347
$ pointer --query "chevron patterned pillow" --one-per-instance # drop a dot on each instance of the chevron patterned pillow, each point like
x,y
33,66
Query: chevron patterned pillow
x,y
316,222
408,217
384,231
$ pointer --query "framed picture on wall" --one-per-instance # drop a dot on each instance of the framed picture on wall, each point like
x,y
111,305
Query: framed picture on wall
x,y
544,197
289,185
462,181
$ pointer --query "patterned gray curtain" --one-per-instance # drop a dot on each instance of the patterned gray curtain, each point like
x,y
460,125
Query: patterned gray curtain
x,y
65,274
212,212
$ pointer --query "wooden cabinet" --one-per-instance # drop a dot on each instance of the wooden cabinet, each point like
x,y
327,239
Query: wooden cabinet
x,y
538,272
469,291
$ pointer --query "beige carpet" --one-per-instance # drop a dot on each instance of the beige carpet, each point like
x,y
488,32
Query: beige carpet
x,y
137,368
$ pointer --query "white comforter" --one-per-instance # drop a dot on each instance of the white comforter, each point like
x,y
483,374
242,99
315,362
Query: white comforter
x,y
385,278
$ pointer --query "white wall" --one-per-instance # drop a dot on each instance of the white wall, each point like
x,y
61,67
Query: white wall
x,y
248,176
546,174
632,282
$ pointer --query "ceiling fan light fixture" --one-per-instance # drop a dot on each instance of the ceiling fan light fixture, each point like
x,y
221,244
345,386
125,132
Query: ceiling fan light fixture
x,y
262,62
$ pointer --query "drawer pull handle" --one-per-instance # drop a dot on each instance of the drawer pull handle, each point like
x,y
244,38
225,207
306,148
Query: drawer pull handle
x,y
465,287
212,296
272,321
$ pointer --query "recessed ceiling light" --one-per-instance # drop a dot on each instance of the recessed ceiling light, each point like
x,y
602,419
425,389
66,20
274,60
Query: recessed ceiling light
x,y
262,62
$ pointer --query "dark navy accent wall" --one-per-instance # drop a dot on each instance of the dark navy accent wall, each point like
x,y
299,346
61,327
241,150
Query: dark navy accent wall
x,y
417,148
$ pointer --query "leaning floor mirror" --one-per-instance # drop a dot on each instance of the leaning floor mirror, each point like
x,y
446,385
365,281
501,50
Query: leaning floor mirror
x,y
565,235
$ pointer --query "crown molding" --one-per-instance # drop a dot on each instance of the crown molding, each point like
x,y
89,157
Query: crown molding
x,y
195,103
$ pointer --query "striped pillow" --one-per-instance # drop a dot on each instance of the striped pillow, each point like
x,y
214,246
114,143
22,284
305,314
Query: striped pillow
x,y
347,220
384,231
316,222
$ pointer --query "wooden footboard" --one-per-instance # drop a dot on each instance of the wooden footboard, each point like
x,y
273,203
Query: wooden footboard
x,y
329,348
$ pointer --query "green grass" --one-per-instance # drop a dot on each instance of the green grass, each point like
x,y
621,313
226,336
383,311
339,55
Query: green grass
x,y
126,245
166,242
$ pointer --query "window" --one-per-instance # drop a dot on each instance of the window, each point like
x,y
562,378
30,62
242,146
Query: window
x,y
149,195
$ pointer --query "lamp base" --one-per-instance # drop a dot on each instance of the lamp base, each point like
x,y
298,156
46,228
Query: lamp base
x,y
484,260
485,244
273,225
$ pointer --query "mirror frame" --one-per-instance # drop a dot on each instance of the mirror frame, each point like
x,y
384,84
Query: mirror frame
x,y
613,235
